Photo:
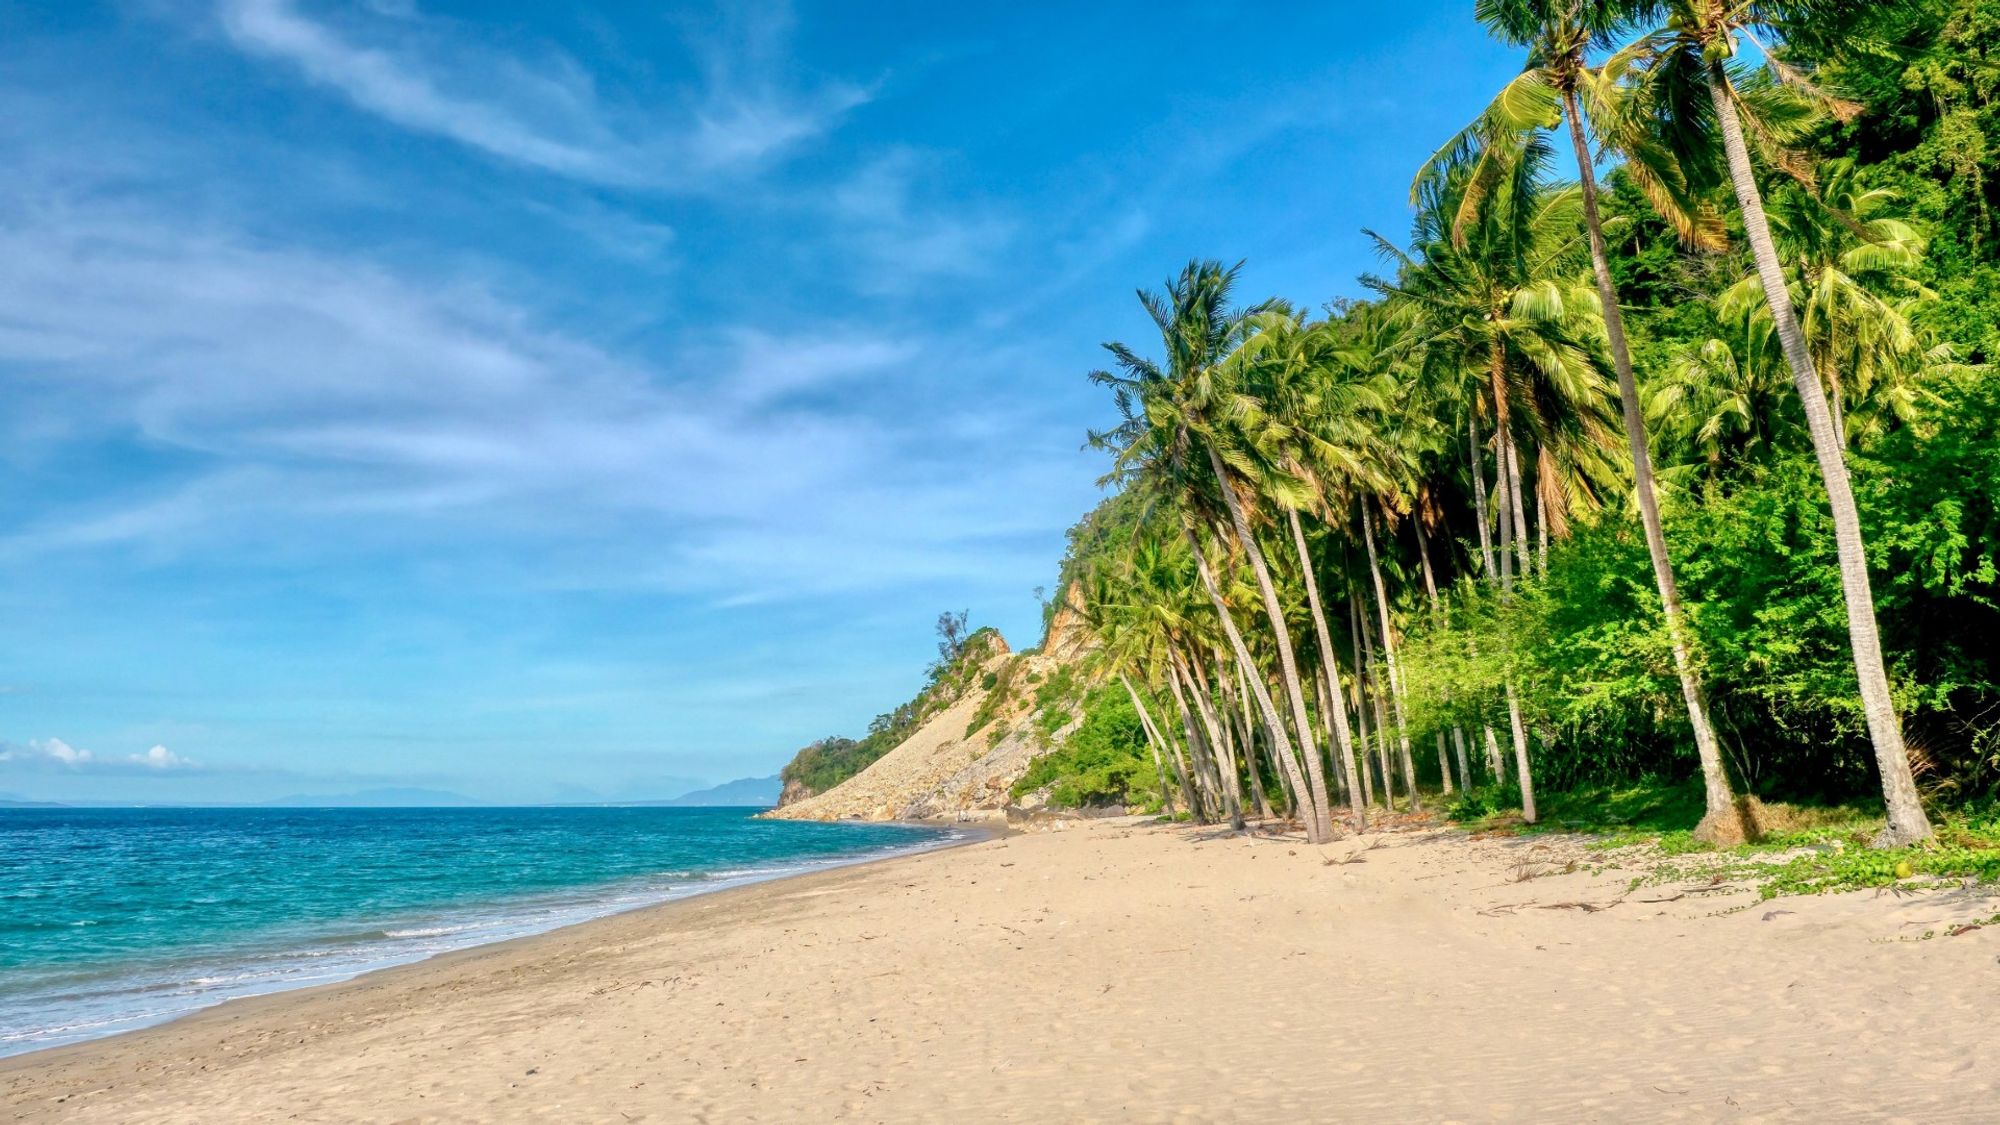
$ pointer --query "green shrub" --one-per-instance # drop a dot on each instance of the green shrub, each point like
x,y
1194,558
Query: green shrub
x,y
1105,761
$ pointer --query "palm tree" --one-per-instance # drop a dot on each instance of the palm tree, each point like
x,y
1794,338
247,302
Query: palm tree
x,y
1305,408
1173,424
1852,265
1559,82
1129,640
1721,399
1494,295
1688,55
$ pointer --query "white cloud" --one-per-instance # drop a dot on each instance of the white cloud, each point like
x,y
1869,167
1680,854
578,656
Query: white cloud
x,y
55,754
547,115
57,750
160,758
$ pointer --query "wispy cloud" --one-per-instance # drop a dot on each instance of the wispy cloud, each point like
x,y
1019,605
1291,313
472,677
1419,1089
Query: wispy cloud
x,y
546,114
332,391
903,242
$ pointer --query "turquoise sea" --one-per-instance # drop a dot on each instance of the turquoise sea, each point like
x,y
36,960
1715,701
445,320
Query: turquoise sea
x,y
112,919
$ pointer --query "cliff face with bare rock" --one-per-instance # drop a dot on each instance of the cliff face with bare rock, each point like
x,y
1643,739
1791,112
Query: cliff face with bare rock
x,y
963,760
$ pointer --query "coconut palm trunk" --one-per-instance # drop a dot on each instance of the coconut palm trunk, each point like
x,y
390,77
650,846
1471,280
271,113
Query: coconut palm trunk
x,y
1205,757
1541,523
1257,794
1218,733
1515,497
1322,694
1464,764
1176,762
1317,830
1196,763
1281,635
1152,743
1513,536
1360,699
1372,692
1235,735
1478,490
1521,770
1249,731
1333,713
1718,796
1382,750
1503,482
1836,400
1907,822
1437,610
1389,657
1225,781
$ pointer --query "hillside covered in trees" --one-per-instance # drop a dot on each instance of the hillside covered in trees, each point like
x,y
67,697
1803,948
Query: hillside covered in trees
x,y
1665,448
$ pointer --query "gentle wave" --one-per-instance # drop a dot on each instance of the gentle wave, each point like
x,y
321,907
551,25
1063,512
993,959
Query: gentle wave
x,y
53,1005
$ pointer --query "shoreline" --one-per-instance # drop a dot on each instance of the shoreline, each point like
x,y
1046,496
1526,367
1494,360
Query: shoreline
x,y
971,834
1054,975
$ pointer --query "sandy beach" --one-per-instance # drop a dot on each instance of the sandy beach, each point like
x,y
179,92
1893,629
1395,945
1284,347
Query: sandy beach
x,y
1119,972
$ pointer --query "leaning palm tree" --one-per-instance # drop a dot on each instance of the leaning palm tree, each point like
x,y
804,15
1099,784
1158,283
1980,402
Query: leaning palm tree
x,y
1558,82
1690,56
1304,412
1172,426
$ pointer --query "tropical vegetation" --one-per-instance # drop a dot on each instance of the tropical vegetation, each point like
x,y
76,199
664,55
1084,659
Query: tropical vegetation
x,y
1663,449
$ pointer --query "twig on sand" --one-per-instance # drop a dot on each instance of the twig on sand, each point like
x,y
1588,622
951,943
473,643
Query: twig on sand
x,y
1534,866
1358,855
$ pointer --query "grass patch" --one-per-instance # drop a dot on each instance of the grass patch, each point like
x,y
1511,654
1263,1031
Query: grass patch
x,y
1966,846
1834,839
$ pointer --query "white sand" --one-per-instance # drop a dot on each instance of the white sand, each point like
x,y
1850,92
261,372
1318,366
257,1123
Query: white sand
x,y
1114,973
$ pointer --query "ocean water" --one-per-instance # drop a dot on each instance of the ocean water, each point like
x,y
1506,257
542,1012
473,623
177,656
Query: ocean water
x,y
112,919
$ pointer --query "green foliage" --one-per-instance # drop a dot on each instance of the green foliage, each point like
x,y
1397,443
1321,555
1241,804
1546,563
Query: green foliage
x,y
1754,552
1061,685
1647,808
1812,850
1887,238
1103,762
1966,847
999,688
1054,698
824,764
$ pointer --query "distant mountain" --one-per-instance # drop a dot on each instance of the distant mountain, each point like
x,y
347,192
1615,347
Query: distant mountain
x,y
404,798
11,803
744,792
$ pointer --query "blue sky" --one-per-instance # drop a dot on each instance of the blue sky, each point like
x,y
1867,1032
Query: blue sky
x,y
564,402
